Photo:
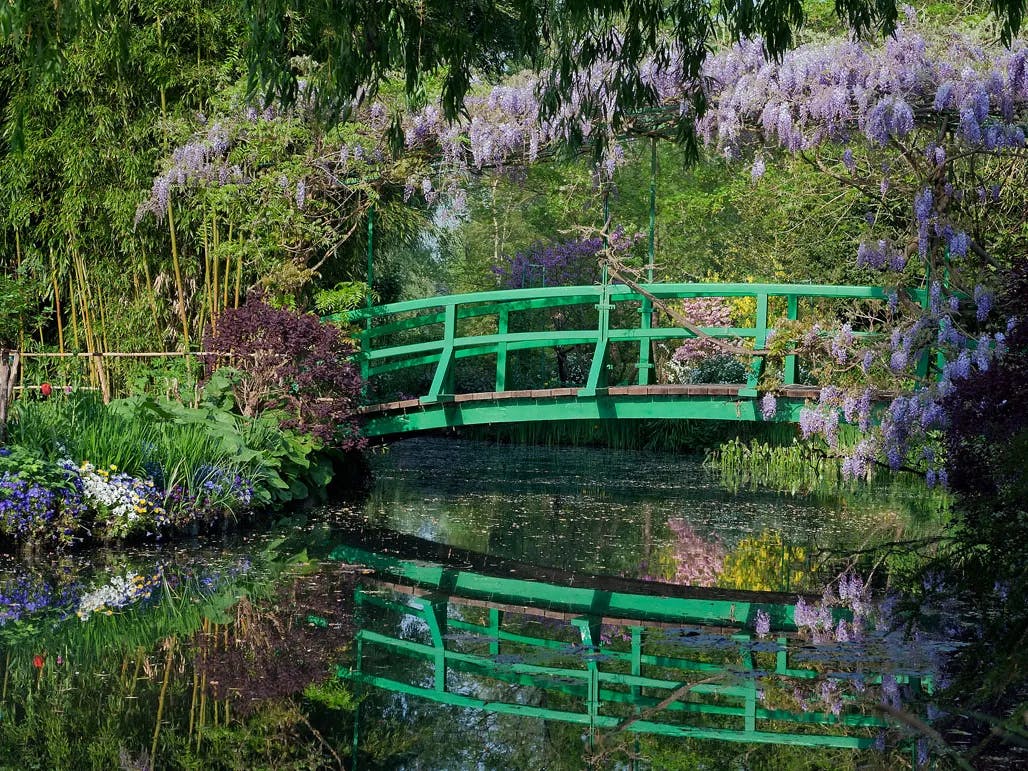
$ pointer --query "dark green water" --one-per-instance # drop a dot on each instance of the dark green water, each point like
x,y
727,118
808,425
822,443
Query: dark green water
x,y
640,515
582,511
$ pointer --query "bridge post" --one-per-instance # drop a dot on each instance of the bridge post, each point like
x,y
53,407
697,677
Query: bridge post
x,y
433,609
502,327
759,341
793,314
495,621
636,656
645,322
750,699
589,629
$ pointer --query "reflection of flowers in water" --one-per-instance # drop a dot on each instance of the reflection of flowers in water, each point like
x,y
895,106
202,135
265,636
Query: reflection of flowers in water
x,y
26,595
696,562
854,637
23,595
117,593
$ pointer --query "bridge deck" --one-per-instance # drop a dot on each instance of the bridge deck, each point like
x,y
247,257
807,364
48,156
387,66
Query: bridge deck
x,y
729,390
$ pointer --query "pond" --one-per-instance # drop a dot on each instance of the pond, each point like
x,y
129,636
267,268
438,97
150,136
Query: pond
x,y
147,657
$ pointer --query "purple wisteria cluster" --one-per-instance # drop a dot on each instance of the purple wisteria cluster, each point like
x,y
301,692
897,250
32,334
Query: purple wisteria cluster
x,y
834,403
566,263
201,161
858,638
845,90
938,347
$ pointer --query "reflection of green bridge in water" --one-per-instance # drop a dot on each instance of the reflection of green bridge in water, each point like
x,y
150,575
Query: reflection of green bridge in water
x,y
434,335
640,684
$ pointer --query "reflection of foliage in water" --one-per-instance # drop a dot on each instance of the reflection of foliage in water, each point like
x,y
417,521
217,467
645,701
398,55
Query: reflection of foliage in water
x,y
806,469
278,647
136,684
846,661
613,512
58,601
765,563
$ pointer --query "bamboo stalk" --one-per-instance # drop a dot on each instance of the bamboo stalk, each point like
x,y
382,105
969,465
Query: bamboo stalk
x,y
87,326
228,268
150,293
73,315
239,269
203,710
135,673
124,669
57,302
192,703
203,684
214,273
21,329
170,642
206,274
178,277
101,373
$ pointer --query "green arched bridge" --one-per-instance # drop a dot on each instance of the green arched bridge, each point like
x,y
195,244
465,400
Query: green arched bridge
x,y
604,653
612,324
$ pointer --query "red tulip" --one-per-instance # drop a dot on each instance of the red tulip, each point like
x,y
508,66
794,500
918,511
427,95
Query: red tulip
x,y
37,661
46,389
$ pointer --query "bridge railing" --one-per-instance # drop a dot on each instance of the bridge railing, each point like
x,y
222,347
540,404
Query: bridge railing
x,y
436,321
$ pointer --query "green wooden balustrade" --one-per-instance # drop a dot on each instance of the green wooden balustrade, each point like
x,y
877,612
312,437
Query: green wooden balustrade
x,y
602,683
448,329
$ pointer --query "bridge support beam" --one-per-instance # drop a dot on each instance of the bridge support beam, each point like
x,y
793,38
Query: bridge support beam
x,y
596,385
442,389
793,313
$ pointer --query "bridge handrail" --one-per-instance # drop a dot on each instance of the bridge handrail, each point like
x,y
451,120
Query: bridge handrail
x,y
619,292
502,303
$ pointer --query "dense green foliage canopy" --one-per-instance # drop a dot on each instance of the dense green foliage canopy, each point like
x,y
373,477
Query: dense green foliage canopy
x,y
356,45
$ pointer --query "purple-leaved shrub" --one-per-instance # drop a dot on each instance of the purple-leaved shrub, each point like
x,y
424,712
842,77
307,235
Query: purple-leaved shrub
x,y
293,363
